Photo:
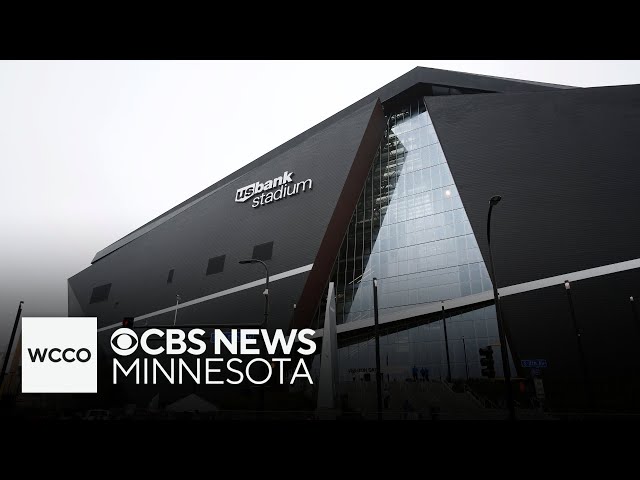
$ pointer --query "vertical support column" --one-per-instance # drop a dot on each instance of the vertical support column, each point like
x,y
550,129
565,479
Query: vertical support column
x,y
328,384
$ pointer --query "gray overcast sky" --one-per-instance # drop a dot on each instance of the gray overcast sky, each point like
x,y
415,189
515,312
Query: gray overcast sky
x,y
91,150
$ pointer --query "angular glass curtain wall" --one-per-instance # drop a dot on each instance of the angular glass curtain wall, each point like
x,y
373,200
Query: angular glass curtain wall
x,y
411,232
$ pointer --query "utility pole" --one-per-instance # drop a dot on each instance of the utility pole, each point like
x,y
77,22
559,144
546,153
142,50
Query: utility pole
x,y
10,347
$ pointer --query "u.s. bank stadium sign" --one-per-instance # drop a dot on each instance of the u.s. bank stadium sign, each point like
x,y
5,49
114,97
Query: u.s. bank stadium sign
x,y
263,193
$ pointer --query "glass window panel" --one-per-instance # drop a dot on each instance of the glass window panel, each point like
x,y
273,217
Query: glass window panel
x,y
410,211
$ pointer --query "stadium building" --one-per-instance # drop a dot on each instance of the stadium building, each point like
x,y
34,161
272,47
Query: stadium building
x,y
396,187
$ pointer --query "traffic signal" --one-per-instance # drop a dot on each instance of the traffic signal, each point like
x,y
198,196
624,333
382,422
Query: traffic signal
x,y
486,360
127,322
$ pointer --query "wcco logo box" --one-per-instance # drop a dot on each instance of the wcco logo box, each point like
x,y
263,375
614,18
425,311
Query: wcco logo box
x,y
59,355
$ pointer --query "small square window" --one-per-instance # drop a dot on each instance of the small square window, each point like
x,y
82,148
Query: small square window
x,y
215,265
100,293
263,251
170,277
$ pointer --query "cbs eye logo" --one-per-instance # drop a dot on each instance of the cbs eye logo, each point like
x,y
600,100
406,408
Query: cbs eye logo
x,y
124,341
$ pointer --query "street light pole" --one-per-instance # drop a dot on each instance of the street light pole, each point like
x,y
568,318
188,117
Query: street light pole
x,y
266,290
13,336
634,311
446,343
266,310
576,328
175,314
466,365
503,340
636,320
377,335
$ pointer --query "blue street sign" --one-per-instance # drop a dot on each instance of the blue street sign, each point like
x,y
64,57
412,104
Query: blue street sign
x,y
539,363
227,333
